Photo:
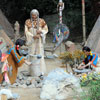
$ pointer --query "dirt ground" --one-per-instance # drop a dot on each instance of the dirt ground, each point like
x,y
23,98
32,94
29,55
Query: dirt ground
x,y
34,93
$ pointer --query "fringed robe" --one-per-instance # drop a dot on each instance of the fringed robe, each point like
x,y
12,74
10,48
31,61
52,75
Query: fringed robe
x,y
37,45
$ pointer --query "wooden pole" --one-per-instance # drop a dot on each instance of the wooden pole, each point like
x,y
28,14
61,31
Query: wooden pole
x,y
83,23
60,18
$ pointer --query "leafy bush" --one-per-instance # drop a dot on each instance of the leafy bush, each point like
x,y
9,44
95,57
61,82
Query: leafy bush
x,y
72,58
92,83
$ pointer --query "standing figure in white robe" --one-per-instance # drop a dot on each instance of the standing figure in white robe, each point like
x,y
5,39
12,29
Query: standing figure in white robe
x,y
35,32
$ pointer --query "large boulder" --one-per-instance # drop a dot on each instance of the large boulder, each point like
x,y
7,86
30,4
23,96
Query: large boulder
x,y
59,85
70,46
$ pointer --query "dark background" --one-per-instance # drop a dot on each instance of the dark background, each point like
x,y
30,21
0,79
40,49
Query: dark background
x,y
20,10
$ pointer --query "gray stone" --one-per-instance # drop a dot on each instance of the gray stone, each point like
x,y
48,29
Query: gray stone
x,y
19,83
31,86
70,46
39,85
37,79
59,85
15,84
4,84
22,82
33,81
23,86
20,76
26,73
29,78
24,78
17,80
28,82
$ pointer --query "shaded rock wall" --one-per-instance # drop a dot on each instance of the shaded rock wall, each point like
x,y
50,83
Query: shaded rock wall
x,y
93,40
6,26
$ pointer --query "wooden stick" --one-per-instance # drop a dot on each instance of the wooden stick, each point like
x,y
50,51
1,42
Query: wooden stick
x,y
83,16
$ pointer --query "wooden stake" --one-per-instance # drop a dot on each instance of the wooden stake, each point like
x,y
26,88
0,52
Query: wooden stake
x,y
83,16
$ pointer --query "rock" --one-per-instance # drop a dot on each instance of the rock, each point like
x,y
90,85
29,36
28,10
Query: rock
x,y
28,82
14,85
20,76
17,80
39,85
23,86
25,73
4,84
59,85
24,78
37,79
31,86
62,95
70,46
22,82
41,77
33,81
29,78
48,91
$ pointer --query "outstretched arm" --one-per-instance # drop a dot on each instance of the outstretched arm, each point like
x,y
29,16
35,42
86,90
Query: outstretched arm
x,y
82,65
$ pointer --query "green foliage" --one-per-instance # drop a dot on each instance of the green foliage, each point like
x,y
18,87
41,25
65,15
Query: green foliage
x,y
94,91
87,79
92,85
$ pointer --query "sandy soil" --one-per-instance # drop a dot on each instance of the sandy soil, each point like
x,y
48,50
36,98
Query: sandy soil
x,y
34,93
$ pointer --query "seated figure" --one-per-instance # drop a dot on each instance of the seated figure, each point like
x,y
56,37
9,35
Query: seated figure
x,y
91,61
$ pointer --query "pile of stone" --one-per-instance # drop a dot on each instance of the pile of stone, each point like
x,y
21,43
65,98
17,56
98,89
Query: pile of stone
x,y
25,81
59,85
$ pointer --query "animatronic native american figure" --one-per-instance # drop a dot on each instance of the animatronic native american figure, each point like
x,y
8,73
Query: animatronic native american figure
x,y
35,32
10,61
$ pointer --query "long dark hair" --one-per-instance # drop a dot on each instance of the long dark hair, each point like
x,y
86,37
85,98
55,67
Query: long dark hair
x,y
19,42
86,48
